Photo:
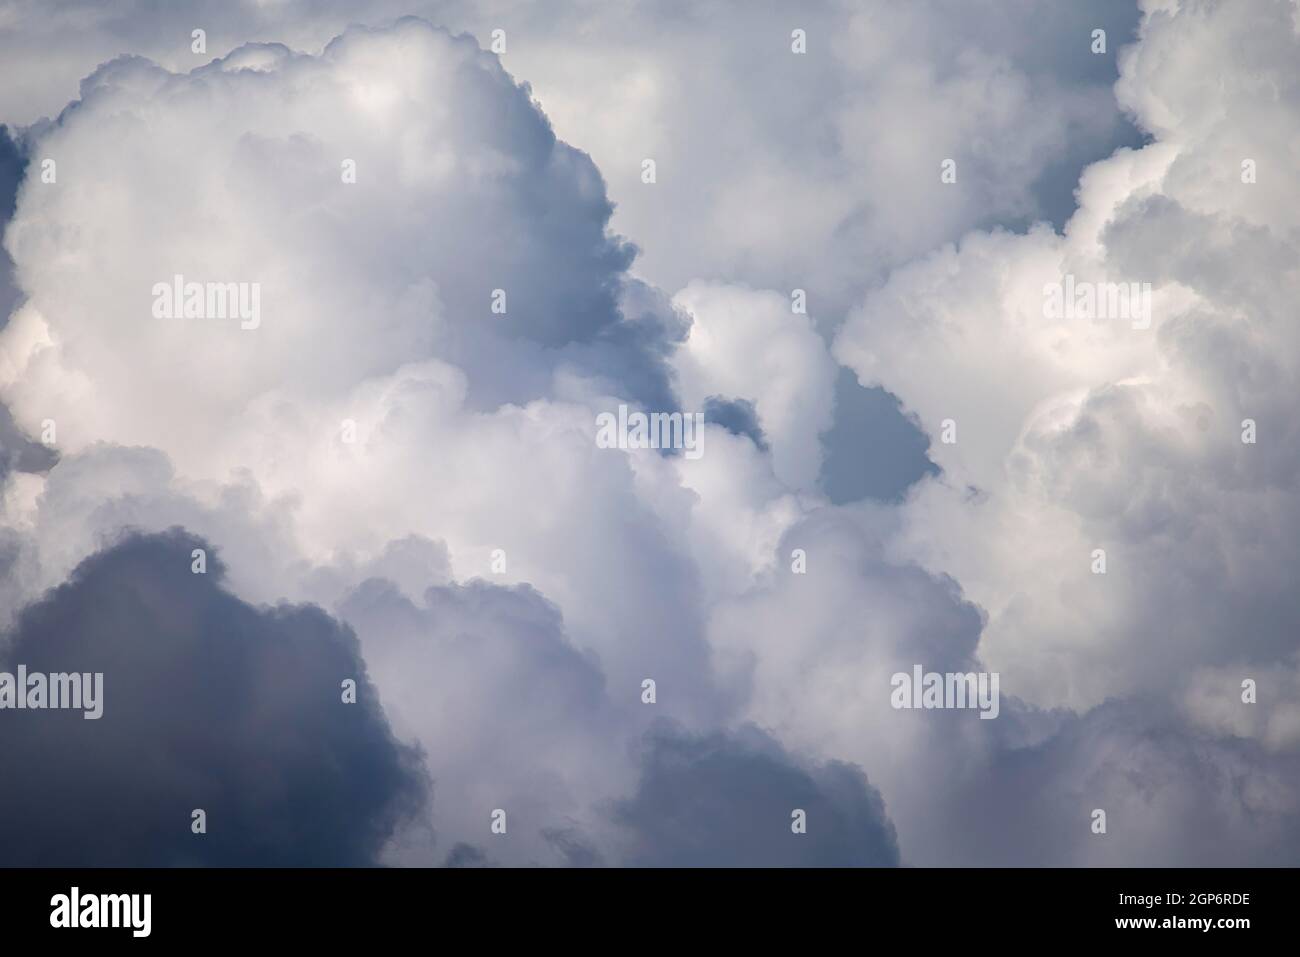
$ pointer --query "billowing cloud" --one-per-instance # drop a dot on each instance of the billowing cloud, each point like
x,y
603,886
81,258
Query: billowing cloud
x,y
479,243
787,166
510,715
206,703
740,801
775,169
1080,434
1120,498
377,364
646,657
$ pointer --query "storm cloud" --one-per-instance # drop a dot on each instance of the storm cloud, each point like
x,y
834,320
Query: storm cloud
x,y
738,800
208,703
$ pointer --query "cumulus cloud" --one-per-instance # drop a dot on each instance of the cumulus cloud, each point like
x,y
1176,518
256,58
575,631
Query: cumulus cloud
x,y
387,447
1084,434
1075,435
367,434
775,169
733,801
509,714
376,317
356,279
1010,90
207,703
1171,795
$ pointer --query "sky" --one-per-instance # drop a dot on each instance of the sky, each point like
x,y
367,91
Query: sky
x,y
366,586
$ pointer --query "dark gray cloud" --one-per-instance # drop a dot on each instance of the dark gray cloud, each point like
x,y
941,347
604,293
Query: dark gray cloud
x,y
727,799
208,703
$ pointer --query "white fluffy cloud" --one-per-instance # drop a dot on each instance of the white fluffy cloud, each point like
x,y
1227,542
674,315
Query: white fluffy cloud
x,y
360,429
1077,434
383,440
777,169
